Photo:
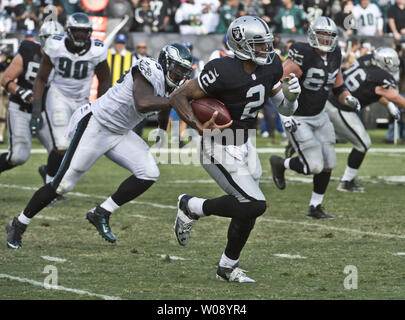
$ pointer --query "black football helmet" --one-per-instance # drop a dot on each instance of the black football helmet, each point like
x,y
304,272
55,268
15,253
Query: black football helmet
x,y
79,28
177,62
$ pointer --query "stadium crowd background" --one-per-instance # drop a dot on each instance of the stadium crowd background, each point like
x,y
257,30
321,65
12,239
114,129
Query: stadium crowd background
x,y
363,25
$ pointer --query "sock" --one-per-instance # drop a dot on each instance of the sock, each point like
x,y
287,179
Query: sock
x,y
4,163
355,159
48,178
287,163
130,189
349,174
316,199
321,181
54,161
227,262
296,165
23,219
109,205
196,206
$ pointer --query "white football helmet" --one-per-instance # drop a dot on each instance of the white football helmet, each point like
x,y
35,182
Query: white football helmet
x,y
323,34
48,29
242,35
387,59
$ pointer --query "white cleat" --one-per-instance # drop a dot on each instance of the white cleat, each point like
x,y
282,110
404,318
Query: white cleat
x,y
233,274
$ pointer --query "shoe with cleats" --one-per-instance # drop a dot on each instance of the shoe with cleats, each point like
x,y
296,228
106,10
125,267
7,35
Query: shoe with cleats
x,y
318,213
185,220
350,186
100,218
277,170
14,230
233,274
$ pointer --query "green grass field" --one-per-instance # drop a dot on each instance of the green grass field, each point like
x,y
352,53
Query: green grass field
x,y
147,263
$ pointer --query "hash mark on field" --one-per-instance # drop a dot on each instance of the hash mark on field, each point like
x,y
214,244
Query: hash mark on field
x,y
60,288
142,217
53,259
46,218
164,256
289,256
399,254
386,235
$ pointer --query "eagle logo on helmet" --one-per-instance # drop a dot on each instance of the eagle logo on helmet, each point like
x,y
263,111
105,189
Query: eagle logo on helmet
x,y
237,33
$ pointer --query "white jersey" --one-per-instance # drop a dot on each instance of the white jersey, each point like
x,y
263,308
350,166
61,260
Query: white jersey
x,y
368,20
74,73
192,14
116,109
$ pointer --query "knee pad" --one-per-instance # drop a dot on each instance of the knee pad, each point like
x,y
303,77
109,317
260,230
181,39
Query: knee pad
x,y
150,173
19,156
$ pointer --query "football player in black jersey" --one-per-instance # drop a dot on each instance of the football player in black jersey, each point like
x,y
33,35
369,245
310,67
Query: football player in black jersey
x,y
317,64
24,68
243,84
370,80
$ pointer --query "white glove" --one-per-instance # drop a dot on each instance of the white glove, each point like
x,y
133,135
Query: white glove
x,y
353,102
394,111
291,88
290,124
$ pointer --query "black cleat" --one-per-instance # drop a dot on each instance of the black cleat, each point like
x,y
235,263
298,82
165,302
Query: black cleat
x,y
42,172
350,186
99,217
277,170
14,230
318,213
233,274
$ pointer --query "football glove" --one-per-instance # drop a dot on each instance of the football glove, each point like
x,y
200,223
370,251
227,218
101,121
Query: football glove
x,y
353,103
290,124
394,111
25,94
35,125
291,88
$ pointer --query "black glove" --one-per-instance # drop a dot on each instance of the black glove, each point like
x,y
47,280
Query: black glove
x,y
24,94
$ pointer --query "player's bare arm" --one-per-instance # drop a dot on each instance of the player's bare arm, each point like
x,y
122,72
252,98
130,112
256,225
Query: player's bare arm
x,y
163,118
40,82
144,97
11,74
179,100
103,74
391,95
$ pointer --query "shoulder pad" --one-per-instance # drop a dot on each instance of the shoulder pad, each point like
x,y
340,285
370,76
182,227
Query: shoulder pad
x,y
53,44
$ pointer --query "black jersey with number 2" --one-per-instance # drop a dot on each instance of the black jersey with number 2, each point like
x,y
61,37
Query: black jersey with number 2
x,y
318,76
243,94
31,56
361,79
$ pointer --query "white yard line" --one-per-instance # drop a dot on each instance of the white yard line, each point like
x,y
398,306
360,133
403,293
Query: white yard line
x,y
164,256
289,256
55,259
306,224
59,288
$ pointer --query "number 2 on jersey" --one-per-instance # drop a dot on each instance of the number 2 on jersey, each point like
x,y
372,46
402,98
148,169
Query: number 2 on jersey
x,y
247,111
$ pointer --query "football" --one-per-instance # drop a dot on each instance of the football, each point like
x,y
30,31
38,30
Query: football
x,y
204,108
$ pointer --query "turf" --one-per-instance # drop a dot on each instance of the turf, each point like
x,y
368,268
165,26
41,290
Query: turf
x,y
146,263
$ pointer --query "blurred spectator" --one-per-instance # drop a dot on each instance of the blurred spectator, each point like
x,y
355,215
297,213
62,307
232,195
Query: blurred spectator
x,y
119,58
352,52
5,21
227,14
198,64
223,52
141,50
209,14
270,9
250,8
316,8
54,8
160,9
172,25
144,20
188,17
368,19
396,19
26,15
341,18
71,6
284,53
291,18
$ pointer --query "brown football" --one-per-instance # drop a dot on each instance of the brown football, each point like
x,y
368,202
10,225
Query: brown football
x,y
204,108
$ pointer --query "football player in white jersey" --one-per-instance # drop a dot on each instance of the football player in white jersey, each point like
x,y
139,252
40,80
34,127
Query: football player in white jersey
x,y
75,59
105,128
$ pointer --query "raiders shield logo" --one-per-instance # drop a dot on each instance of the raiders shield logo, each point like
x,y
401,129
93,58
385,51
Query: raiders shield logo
x,y
237,34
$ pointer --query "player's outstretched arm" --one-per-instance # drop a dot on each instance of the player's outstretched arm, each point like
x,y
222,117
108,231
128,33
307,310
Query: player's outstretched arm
x,y
144,96
40,82
103,74
392,95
